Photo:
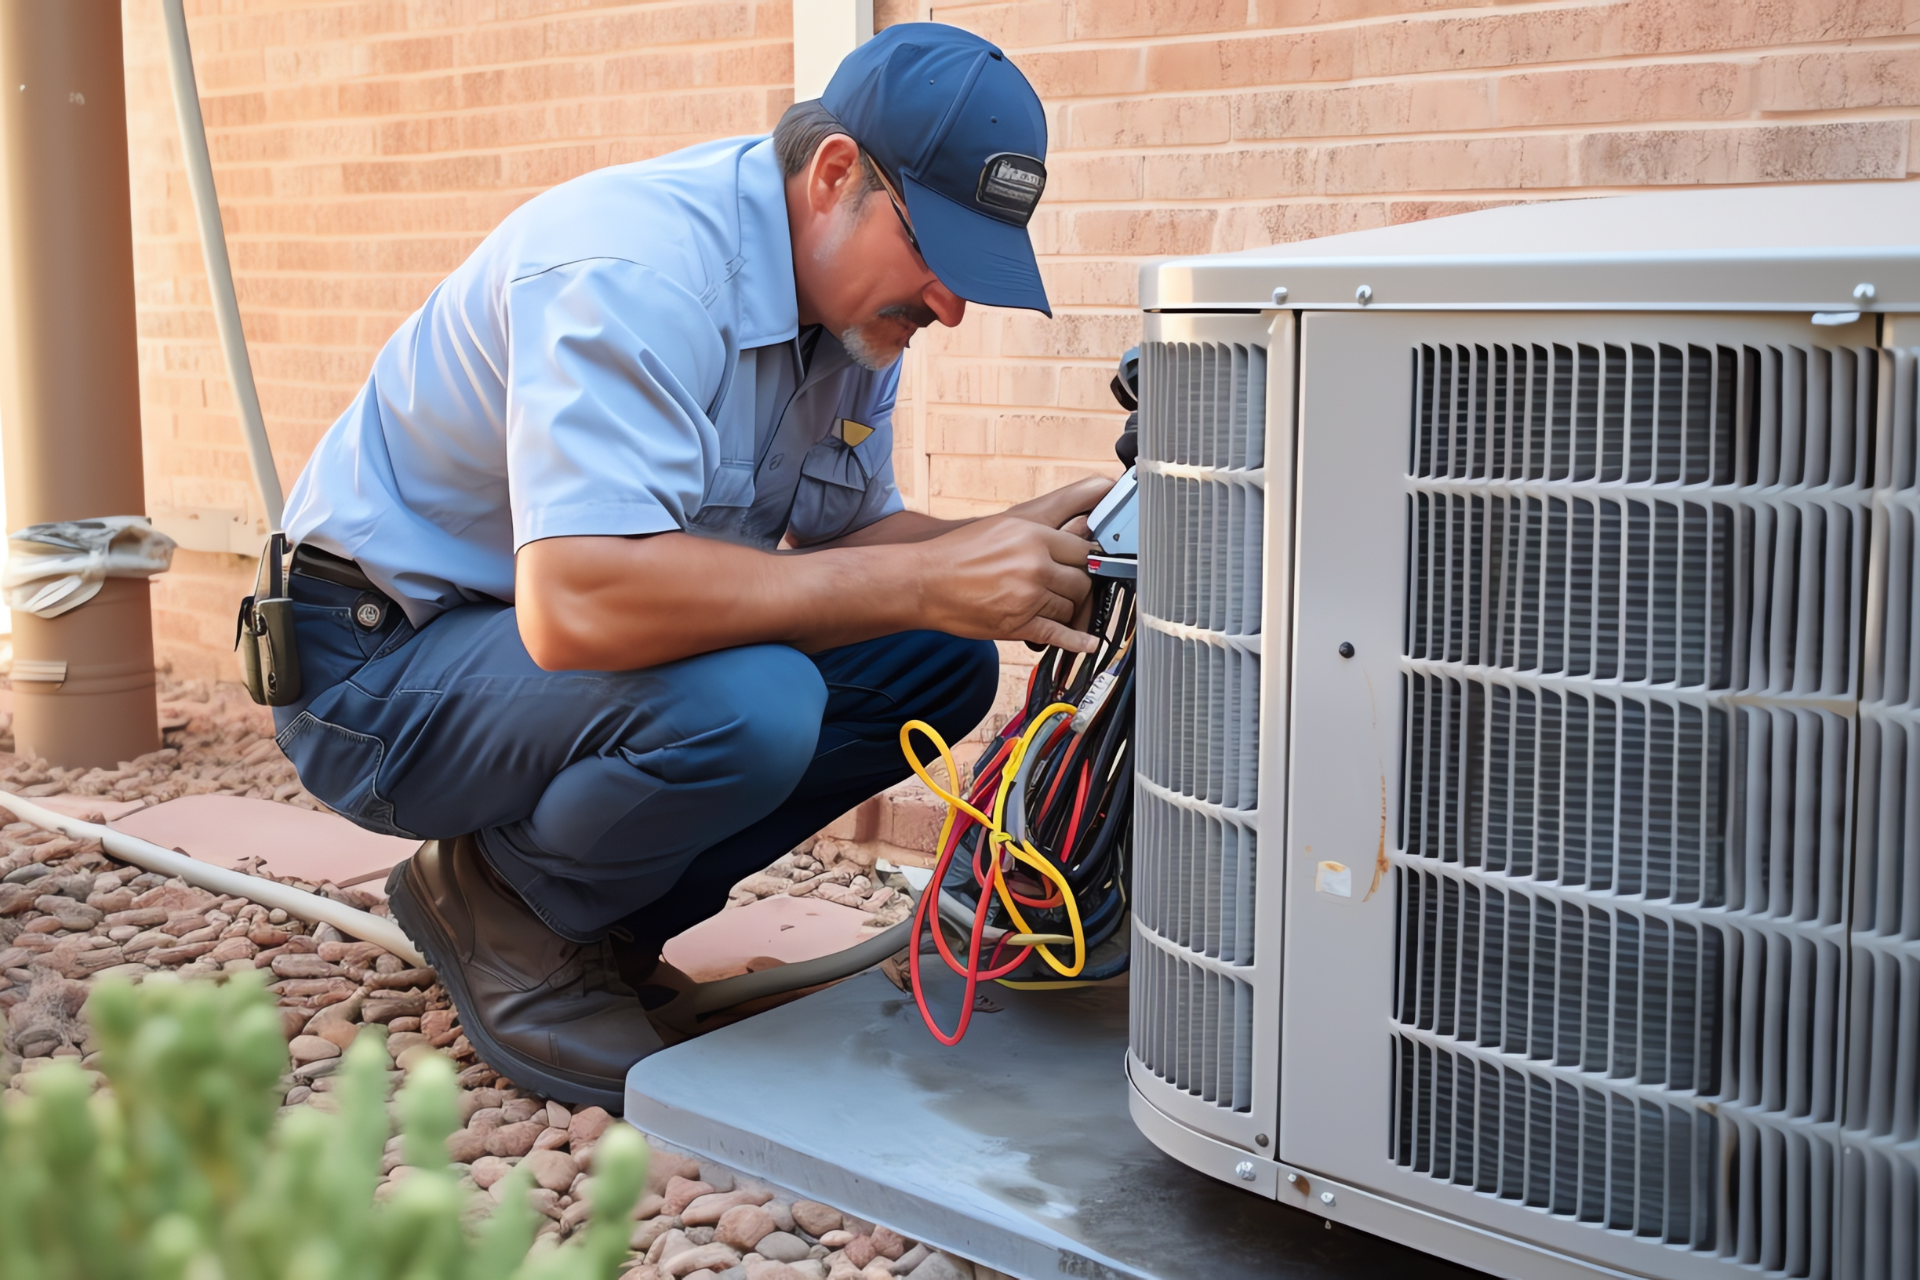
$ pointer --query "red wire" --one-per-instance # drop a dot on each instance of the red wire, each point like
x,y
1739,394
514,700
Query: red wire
x,y
923,914
1079,803
1065,768
926,912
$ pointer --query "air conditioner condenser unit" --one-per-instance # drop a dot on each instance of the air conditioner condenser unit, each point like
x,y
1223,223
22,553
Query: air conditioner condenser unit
x,y
1528,806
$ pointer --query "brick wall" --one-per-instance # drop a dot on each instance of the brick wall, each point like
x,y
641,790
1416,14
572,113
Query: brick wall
x,y
363,147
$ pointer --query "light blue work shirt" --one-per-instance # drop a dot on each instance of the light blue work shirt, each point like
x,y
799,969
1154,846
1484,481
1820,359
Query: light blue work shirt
x,y
619,357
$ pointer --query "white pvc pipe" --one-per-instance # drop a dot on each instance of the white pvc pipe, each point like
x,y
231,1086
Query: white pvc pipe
x,y
235,884
213,247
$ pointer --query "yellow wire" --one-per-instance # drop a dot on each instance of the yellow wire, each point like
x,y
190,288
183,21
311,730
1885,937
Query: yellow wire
x,y
998,838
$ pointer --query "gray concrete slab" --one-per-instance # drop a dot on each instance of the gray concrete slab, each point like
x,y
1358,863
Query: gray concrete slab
x,y
1014,1149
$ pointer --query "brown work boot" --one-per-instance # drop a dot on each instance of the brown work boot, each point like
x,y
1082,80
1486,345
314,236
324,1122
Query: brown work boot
x,y
551,1015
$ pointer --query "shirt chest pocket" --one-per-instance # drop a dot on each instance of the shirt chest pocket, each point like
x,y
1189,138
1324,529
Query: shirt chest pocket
x,y
831,493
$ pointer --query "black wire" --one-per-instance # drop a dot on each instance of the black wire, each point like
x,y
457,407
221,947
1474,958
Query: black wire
x,y
1098,863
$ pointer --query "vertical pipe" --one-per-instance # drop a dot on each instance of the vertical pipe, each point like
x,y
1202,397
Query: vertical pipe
x,y
825,31
69,369
213,247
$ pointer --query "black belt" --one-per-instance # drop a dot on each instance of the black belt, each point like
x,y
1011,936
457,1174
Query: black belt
x,y
311,562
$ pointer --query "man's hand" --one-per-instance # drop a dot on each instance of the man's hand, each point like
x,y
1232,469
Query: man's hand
x,y
1066,507
1005,578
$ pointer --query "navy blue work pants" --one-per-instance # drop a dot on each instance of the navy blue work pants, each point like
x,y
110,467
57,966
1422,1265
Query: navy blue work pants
x,y
631,798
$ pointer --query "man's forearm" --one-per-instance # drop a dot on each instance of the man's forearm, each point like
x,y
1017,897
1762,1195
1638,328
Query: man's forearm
x,y
617,604
1054,510
895,530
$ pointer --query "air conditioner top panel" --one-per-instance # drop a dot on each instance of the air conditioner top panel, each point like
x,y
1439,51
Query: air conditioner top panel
x,y
1832,247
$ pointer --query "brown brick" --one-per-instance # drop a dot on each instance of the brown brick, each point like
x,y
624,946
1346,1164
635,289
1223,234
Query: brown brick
x,y
1608,95
1149,122
1092,176
1108,19
1262,60
1418,106
1103,282
1838,80
1094,336
1087,436
1139,231
1783,153
1012,26
949,433
1021,382
1354,168
1082,73
697,68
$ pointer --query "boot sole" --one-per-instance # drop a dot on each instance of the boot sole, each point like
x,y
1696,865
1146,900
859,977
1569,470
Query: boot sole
x,y
419,925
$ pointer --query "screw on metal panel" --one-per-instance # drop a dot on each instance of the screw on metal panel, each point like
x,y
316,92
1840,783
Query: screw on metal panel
x,y
1346,648
1326,1197
1293,1177
1259,1139
1863,292
1363,295
1245,1170
1280,294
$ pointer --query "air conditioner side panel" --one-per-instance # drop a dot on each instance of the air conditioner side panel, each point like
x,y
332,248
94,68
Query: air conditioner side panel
x,y
1351,545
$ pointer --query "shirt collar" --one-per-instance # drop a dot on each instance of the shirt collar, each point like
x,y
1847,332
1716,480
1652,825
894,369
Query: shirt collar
x,y
769,306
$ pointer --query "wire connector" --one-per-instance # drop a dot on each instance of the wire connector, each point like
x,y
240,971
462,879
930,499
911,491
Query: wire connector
x,y
1096,698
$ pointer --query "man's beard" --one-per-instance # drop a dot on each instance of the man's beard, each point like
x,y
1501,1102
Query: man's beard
x,y
872,357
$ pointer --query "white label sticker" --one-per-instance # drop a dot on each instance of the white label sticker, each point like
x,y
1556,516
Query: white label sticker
x,y
1335,878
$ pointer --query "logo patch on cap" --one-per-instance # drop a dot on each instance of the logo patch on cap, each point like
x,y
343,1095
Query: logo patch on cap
x,y
1012,183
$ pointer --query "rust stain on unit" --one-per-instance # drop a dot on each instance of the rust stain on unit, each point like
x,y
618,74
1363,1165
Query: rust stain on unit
x,y
1380,853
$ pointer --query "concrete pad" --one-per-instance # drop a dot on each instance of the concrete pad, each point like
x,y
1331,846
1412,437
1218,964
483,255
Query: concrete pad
x,y
782,928
1014,1149
294,842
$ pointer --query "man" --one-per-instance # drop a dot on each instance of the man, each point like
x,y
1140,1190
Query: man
x,y
544,615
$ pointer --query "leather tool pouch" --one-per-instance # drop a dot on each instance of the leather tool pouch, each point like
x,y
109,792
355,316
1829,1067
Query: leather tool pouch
x,y
269,656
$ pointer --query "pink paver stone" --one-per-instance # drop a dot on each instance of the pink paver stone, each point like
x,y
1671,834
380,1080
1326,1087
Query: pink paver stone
x,y
784,928
88,808
294,842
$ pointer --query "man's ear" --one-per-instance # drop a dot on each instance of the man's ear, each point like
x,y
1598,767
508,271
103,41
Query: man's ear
x,y
832,171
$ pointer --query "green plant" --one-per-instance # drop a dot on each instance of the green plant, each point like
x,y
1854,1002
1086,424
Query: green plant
x,y
178,1170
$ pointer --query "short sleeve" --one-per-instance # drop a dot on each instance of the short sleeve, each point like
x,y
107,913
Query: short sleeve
x,y
611,367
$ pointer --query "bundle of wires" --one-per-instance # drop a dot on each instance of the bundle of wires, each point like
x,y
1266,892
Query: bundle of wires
x,y
1035,856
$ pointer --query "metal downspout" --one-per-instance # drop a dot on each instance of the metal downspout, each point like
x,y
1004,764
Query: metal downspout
x,y
83,682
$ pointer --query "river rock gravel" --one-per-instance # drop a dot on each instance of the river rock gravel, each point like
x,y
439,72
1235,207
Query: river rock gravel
x,y
70,914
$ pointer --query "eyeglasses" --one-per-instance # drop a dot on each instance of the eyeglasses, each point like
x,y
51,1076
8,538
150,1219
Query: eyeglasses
x,y
898,212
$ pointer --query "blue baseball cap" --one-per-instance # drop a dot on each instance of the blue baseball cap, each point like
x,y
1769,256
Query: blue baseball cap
x,y
960,131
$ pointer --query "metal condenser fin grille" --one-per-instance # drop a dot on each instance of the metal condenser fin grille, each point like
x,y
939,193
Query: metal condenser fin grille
x,y
1880,1175
1203,444
1637,587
